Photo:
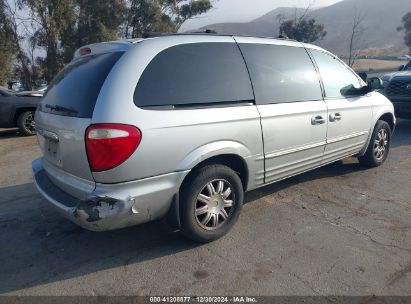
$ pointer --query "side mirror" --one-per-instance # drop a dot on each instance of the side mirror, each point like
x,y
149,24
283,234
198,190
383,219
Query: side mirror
x,y
374,83
401,67
363,76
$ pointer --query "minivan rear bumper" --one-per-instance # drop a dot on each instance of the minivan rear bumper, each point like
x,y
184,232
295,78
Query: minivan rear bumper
x,y
112,206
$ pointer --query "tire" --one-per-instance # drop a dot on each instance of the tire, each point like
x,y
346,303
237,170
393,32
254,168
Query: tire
x,y
216,213
379,146
25,123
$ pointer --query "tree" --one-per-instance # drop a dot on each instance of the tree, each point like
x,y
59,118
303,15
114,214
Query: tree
x,y
161,15
52,18
13,23
356,32
7,47
406,27
93,21
64,26
99,20
147,16
301,28
58,28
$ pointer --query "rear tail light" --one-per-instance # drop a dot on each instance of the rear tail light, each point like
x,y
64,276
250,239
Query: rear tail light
x,y
109,145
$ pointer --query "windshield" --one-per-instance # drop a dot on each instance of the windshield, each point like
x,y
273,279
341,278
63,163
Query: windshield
x,y
74,91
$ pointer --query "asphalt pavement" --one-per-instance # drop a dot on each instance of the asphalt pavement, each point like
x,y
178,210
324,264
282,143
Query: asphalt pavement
x,y
338,230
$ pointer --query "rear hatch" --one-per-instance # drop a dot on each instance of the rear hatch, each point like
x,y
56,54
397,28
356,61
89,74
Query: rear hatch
x,y
63,117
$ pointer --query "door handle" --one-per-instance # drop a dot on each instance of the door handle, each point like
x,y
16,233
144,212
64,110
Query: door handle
x,y
317,120
335,117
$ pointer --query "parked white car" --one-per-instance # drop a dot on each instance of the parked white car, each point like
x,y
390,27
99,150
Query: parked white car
x,y
405,57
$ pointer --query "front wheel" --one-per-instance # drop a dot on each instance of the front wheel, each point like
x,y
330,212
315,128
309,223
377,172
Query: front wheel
x,y
210,203
378,147
25,123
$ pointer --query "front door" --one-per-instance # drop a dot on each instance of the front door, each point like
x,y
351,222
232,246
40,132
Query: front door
x,y
349,111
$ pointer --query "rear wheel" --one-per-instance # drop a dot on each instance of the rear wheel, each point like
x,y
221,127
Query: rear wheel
x,y
210,203
378,147
26,124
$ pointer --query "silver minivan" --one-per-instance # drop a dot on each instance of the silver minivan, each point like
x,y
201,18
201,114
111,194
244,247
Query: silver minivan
x,y
180,126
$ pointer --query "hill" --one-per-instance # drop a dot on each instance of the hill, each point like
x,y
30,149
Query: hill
x,y
381,19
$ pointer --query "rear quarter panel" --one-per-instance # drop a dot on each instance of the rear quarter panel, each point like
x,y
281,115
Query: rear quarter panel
x,y
178,140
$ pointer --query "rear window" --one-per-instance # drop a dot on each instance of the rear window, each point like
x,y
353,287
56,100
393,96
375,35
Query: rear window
x,y
74,91
193,74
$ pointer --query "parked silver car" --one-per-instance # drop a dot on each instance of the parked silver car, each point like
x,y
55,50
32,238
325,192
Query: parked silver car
x,y
180,126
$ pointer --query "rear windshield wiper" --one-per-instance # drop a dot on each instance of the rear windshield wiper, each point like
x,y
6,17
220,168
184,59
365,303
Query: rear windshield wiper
x,y
58,108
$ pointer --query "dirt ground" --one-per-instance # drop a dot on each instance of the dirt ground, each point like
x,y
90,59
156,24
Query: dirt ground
x,y
338,230
374,64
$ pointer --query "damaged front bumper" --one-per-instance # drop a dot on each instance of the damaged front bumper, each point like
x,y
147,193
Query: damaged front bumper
x,y
112,206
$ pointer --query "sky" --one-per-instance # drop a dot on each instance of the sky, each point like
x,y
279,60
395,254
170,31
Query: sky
x,y
245,10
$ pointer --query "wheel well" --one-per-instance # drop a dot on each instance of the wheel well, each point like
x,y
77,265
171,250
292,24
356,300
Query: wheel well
x,y
21,110
233,161
389,118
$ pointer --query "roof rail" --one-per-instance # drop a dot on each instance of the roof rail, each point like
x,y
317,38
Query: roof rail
x,y
211,32
282,36
205,31
156,34
161,34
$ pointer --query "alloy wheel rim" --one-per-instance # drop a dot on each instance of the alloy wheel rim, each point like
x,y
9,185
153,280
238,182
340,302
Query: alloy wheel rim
x,y
380,144
214,204
29,123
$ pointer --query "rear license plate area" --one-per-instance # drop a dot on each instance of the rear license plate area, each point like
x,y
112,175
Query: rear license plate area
x,y
52,152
